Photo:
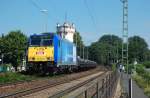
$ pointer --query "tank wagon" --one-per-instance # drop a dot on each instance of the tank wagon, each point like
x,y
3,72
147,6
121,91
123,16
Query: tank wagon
x,y
48,52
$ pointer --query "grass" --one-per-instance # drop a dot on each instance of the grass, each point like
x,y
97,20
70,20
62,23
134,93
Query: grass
x,y
14,77
11,77
147,91
142,84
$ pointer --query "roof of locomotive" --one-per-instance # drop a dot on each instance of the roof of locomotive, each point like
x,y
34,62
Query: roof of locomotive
x,y
43,34
51,34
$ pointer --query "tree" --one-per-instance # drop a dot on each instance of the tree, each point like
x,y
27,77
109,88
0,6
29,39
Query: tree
x,y
93,52
140,69
105,50
114,44
147,56
77,39
137,49
13,47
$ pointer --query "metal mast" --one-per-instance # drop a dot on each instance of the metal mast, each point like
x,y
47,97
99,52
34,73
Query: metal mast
x,y
125,34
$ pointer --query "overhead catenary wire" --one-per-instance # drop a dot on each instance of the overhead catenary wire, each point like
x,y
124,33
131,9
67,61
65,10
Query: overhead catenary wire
x,y
91,15
92,19
44,11
35,4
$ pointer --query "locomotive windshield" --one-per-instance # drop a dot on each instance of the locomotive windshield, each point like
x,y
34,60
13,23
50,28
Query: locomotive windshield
x,y
35,42
47,42
41,40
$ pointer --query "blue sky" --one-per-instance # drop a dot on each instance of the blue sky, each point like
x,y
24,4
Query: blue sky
x,y
23,15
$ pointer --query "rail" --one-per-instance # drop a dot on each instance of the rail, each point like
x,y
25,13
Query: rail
x,y
39,88
103,86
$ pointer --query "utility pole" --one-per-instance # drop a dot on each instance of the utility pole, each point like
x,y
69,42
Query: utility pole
x,y
87,53
125,47
80,50
76,45
83,51
46,18
2,58
125,34
117,53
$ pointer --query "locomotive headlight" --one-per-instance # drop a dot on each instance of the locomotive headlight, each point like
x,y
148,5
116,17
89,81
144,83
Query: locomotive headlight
x,y
48,58
33,58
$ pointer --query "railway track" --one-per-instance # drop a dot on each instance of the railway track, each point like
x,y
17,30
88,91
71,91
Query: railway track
x,y
30,91
62,93
49,84
14,83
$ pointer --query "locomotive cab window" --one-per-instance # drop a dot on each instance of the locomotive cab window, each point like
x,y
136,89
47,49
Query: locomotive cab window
x,y
41,40
47,42
35,42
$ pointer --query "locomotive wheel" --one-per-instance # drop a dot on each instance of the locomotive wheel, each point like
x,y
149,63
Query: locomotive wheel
x,y
55,71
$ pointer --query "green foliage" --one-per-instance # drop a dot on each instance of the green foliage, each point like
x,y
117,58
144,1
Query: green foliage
x,y
143,78
108,49
13,47
140,69
114,67
143,82
146,77
147,64
13,77
147,55
140,81
105,50
147,91
130,68
77,39
137,49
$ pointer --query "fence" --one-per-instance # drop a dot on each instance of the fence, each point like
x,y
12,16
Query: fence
x,y
107,88
102,87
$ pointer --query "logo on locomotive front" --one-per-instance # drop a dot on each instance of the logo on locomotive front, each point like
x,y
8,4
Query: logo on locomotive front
x,y
40,54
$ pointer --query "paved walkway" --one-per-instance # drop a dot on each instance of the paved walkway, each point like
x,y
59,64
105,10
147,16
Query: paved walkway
x,y
118,90
137,92
125,82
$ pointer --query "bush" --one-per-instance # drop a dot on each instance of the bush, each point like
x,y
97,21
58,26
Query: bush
x,y
146,77
143,82
143,77
140,69
147,91
131,67
13,77
147,64
140,81
114,67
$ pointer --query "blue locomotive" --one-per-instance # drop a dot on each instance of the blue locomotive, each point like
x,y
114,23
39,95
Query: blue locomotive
x,y
48,52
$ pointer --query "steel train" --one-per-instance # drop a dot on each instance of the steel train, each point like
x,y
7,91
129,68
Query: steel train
x,y
48,52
